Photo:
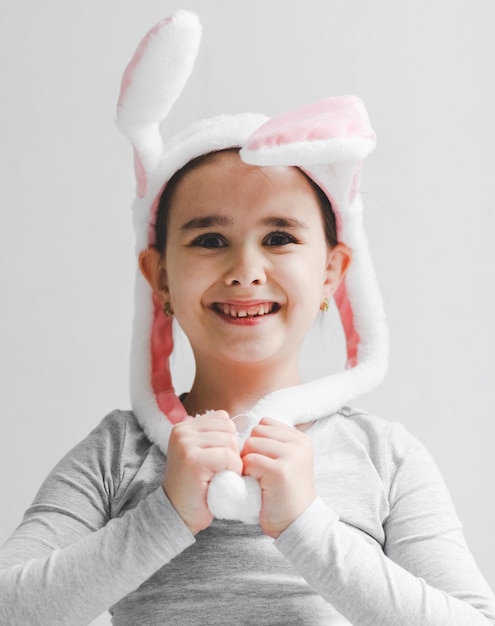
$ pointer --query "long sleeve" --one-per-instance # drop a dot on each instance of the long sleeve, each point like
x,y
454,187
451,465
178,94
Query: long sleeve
x,y
423,575
69,560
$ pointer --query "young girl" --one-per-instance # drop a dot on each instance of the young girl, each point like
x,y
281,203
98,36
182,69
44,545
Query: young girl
x,y
252,498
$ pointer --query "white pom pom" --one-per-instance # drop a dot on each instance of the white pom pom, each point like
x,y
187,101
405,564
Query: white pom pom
x,y
234,497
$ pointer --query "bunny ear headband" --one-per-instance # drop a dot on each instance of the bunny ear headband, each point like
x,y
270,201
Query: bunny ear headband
x,y
328,140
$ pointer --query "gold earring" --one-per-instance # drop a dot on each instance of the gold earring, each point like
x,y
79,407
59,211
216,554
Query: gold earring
x,y
167,309
324,306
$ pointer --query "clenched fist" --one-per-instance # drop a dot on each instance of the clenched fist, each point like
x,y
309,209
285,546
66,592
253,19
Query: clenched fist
x,y
198,449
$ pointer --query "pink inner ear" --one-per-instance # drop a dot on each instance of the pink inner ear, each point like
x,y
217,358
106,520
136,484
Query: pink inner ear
x,y
333,118
140,173
162,344
134,62
347,316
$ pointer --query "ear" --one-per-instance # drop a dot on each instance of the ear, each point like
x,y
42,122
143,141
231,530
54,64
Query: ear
x,y
153,269
338,261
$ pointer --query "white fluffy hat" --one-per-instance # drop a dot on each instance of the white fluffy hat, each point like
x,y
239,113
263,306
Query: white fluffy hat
x,y
328,140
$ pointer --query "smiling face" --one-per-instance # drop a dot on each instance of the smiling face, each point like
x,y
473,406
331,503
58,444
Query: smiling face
x,y
246,262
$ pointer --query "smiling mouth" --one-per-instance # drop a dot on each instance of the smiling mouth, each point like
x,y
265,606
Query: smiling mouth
x,y
246,311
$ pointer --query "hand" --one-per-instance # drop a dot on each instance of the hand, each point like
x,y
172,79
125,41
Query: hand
x,y
198,449
281,459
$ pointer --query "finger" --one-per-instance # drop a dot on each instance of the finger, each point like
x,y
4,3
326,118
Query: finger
x,y
268,427
214,439
219,459
268,447
269,421
258,466
208,422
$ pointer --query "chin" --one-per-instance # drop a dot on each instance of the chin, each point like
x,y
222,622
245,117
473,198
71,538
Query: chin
x,y
258,356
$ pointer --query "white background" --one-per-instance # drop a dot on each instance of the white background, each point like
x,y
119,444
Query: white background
x,y
426,73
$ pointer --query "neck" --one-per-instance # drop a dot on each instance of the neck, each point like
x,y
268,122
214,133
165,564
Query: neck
x,y
236,387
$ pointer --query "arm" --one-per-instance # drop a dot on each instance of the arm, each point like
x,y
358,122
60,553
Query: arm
x,y
68,561
425,576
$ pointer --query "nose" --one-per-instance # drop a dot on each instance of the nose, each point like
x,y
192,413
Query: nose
x,y
246,267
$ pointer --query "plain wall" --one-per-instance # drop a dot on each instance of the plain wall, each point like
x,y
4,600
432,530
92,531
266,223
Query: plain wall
x,y
426,73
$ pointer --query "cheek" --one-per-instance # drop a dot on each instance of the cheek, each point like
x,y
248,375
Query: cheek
x,y
178,277
307,274
188,281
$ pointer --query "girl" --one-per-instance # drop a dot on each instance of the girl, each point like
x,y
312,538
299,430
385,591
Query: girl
x,y
252,498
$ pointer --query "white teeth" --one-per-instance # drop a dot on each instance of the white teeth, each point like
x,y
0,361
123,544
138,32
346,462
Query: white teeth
x,y
255,311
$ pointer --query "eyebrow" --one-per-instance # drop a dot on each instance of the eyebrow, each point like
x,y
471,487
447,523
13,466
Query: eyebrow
x,y
284,222
209,221
198,223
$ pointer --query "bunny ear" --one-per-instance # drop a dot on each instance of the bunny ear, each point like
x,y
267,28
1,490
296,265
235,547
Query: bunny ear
x,y
328,131
151,84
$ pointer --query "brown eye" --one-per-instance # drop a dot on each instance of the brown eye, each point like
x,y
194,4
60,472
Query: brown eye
x,y
278,239
209,240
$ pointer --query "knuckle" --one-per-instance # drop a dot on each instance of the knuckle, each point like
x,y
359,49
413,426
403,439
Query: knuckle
x,y
230,428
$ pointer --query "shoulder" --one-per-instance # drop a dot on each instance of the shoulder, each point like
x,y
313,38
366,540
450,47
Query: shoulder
x,y
101,466
373,432
362,424
116,443
356,428
118,426
386,445
112,433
